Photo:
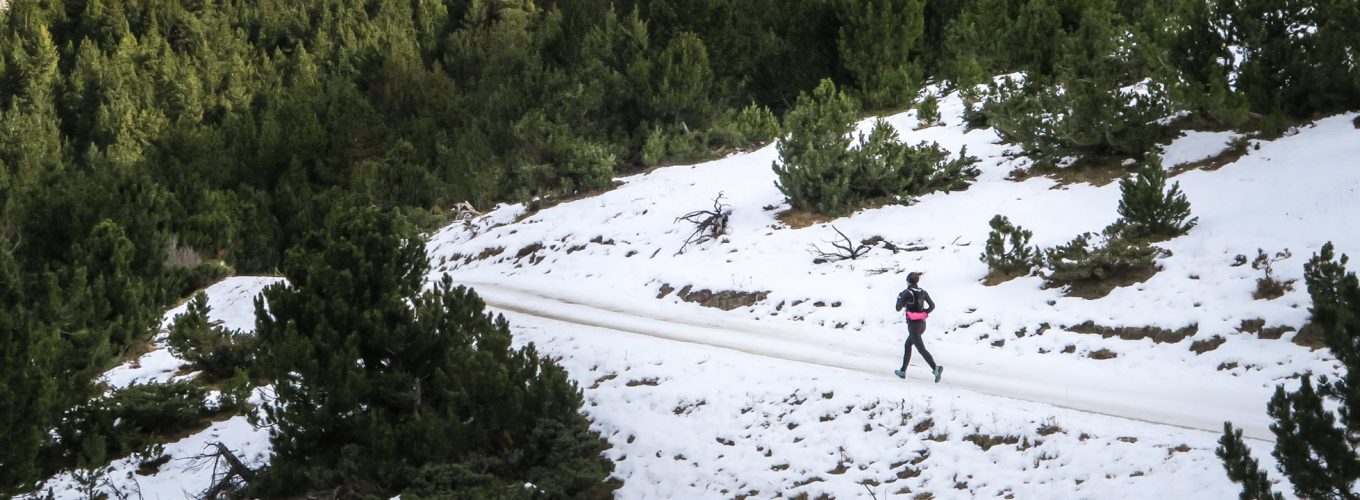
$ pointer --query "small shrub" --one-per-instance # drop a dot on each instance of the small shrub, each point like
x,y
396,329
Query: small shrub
x,y
1092,271
654,148
1008,261
182,281
1147,208
885,167
1269,287
928,112
756,125
974,116
219,352
131,419
1082,119
820,173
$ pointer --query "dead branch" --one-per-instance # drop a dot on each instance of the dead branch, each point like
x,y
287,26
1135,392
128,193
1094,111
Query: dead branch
x,y
234,469
464,211
708,224
846,250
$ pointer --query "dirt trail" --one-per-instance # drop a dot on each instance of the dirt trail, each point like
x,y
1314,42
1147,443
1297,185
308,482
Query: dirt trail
x,y
1173,399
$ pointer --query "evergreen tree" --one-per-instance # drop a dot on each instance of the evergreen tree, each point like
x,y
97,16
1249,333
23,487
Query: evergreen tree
x,y
977,41
1185,47
683,81
814,168
1084,110
1038,30
1147,208
879,44
378,383
1316,447
1015,259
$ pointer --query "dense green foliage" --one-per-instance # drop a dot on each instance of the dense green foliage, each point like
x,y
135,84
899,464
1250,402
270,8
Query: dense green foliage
x,y
1101,265
377,383
1317,428
219,352
133,418
148,147
1148,208
820,171
1007,252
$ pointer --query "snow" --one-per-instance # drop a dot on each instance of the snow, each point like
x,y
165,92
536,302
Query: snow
x,y
794,393
1196,146
189,471
232,304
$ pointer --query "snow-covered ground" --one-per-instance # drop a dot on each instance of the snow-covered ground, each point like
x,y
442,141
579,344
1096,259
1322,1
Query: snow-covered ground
x,y
794,394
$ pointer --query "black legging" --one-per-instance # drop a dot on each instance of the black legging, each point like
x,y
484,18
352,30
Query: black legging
x,y
914,331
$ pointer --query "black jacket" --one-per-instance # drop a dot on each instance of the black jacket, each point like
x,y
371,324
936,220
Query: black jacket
x,y
921,302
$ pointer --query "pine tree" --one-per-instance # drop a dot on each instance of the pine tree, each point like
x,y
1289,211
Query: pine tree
x,y
1185,47
1036,37
878,45
977,41
378,383
29,389
1317,448
1148,209
814,168
683,80
1018,258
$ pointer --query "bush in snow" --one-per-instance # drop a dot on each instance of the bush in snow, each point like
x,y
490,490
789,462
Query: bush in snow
x,y
1008,260
1080,119
1268,286
1148,209
128,420
218,352
756,125
1317,427
928,111
813,171
1088,107
821,173
1092,271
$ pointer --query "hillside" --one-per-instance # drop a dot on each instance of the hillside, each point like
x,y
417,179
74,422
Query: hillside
x,y
793,393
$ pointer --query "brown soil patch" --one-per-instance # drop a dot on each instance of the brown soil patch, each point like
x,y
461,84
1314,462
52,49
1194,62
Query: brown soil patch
x,y
646,381
1258,327
1103,354
1091,290
798,219
1235,151
486,254
986,442
726,300
666,289
1158,335
1309,336
1206,345
995,277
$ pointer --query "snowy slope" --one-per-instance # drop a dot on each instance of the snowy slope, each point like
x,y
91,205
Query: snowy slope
x,y
794,394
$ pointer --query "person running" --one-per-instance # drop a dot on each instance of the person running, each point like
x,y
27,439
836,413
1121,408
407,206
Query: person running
x,y
918,305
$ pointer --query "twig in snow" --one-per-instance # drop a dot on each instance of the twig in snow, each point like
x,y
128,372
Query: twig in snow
x,y
842,251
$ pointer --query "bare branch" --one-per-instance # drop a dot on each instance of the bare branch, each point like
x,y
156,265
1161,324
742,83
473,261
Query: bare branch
x,y
845,249
708,224
234,469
